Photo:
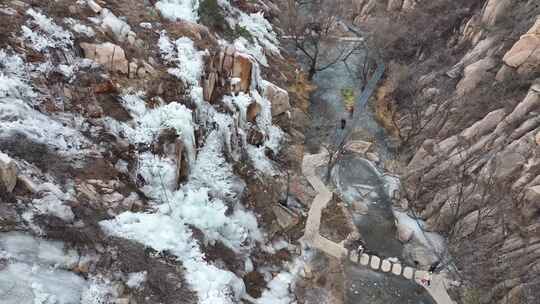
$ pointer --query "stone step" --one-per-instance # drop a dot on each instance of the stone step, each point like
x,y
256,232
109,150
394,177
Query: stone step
x,y
396,269
386,266
364,259
375,262
408,273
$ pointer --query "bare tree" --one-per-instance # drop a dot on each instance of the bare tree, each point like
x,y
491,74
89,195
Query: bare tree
x,y
314,27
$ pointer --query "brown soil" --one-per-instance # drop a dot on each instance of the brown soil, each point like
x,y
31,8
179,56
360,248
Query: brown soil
x,y
334,222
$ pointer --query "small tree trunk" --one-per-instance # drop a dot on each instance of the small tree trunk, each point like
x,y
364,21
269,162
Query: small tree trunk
x,y
329,167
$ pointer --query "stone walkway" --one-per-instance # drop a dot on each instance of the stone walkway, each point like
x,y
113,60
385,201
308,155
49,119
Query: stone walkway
x,y
313,238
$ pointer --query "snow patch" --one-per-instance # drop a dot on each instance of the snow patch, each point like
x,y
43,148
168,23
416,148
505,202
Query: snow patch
x,y
42,33
51,204
26,284
148,123
13,77
116,26
174,10
98,291
188,61
261,30
19,119
136,279
77,27
32,273
25,248
162,232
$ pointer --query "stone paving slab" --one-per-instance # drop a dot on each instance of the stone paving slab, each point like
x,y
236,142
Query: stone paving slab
x,y
408,273
396,269
364,259
353,257
375,262
386,266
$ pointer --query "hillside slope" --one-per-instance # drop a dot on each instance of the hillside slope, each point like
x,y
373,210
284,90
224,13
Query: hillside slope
x,y
143,148
462,98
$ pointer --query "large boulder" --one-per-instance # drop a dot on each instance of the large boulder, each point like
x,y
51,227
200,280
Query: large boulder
x,y
110,55
358,146
278,97
495,10
474,74
192,30
253,110
532,194
285,217
404,232
299,118
8,173
525,54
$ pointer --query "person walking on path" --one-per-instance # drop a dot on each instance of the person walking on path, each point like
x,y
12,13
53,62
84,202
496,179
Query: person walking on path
x,y
434,266
426,281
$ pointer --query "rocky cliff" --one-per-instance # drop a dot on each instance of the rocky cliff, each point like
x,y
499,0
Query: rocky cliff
x,y
145,152
462,98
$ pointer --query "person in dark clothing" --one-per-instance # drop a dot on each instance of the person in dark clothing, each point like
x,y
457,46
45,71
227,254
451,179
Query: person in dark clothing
x,y
343,124
434,266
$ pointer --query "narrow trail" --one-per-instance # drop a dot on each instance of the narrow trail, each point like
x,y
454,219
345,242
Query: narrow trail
x,y
313,238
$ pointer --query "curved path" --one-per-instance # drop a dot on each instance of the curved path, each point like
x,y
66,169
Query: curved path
x,y
313,238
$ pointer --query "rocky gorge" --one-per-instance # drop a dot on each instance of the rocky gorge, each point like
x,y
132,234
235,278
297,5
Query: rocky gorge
x,y
461,99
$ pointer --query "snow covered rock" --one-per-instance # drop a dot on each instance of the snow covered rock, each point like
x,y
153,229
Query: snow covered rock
x,y
174,10
358,146
8,173
115,26
404,232
278,97
110,55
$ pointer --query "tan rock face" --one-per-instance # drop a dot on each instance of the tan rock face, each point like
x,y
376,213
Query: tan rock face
x,y
525,54
538,138
482,127
192,30
394,5
252,111
495,10
209,84
474,74
242,70
408,4
171,146
532,195
278,97
8,173
110,55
